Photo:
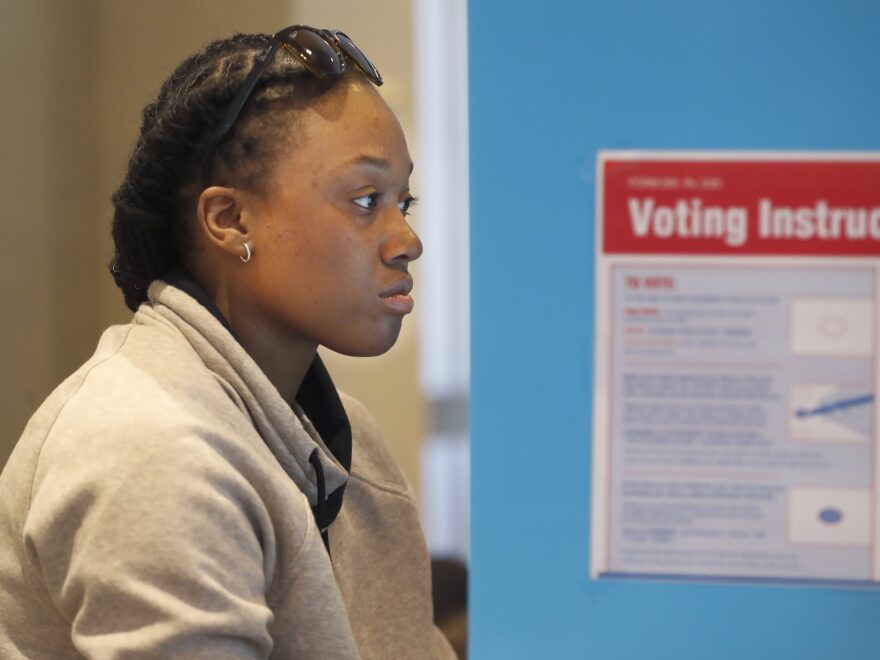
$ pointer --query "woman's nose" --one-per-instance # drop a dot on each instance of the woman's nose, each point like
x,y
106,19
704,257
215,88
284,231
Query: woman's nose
x,y
402,245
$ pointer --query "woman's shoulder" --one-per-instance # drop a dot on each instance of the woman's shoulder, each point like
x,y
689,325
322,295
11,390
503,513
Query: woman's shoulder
x,y
143,395
140,377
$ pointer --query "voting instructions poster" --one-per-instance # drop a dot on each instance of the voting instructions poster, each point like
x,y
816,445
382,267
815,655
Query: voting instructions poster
x,y
736,383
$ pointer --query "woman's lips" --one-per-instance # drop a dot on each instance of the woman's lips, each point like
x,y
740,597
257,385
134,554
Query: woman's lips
x,y
397,295
399,302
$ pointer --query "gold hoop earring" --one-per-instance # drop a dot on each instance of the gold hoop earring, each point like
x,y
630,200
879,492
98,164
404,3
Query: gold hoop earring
x,y
247,249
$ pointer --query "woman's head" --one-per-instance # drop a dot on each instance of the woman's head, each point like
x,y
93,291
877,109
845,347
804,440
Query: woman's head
x,y
313,176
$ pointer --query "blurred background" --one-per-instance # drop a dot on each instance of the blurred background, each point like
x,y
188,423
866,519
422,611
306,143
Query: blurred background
x,y
76,76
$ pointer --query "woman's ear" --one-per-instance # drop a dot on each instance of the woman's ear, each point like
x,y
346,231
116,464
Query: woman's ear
x,y
223,219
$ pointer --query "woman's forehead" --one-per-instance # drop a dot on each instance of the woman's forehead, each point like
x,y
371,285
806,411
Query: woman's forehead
x,y
361,132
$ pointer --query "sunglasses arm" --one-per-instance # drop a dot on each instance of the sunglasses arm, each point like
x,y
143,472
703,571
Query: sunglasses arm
x,y
235,108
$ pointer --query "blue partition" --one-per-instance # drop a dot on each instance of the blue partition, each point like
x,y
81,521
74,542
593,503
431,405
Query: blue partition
x,y
551,83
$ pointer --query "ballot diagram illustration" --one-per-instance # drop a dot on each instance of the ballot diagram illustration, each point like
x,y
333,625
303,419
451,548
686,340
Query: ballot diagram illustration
x,y
831,413
832,327
830,517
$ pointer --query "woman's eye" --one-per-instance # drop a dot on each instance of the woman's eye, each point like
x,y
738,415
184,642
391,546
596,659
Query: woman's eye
x,y
367,201
406,204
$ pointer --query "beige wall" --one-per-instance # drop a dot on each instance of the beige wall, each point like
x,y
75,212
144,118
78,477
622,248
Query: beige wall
x,y
75,77
47,148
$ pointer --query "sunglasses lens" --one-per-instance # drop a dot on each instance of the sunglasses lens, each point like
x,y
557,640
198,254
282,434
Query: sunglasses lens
x,y
318,56
358,57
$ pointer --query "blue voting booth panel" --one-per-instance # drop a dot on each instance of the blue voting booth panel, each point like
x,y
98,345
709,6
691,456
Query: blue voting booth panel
x,y
551,83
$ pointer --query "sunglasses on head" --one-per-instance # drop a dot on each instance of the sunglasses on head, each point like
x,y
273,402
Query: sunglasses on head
x,y
320,51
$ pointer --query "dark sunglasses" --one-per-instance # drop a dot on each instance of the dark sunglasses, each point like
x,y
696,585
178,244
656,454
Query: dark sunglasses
x,y
320,51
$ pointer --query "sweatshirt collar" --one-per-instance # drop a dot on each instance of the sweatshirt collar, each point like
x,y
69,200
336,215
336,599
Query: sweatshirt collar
x,y
316,421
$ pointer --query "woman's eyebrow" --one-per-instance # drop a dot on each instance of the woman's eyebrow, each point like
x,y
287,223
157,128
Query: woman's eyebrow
x,y
375,162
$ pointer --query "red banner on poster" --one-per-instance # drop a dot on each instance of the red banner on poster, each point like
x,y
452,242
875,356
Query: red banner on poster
x,y
740,206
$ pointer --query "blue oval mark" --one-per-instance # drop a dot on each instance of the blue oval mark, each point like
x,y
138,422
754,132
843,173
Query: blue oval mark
x,y
831,516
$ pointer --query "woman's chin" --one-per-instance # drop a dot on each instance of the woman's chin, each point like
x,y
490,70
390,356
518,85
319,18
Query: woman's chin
x,y
366,346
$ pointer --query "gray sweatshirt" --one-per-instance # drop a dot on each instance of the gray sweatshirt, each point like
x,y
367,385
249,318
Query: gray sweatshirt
x,y
159,505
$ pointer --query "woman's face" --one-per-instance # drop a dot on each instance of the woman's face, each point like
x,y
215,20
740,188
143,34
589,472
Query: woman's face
x,y
331,241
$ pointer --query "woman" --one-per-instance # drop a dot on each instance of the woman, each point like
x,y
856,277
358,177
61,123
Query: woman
x,y
199,489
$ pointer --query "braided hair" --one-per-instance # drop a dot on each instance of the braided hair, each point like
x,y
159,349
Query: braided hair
x,y
163,178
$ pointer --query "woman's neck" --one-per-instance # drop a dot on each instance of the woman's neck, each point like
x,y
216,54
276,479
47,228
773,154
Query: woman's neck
x,y
284,361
